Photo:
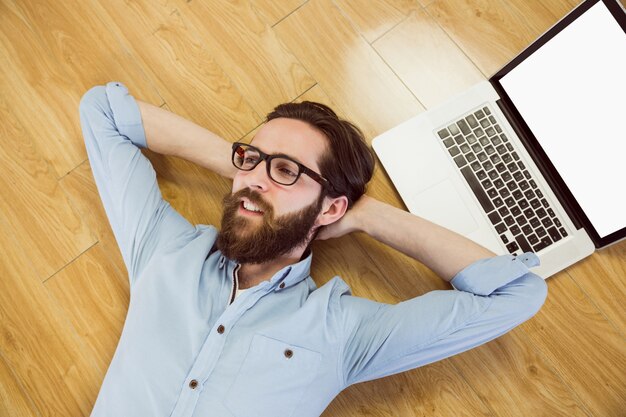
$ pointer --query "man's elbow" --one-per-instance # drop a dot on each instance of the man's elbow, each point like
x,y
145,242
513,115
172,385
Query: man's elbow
x,y
537,292
93,98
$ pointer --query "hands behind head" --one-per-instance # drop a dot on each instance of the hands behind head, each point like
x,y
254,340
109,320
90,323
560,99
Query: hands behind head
x,y
350,222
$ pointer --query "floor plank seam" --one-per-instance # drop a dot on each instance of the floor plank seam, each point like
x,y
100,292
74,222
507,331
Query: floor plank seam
x,y
70,262
453,41
288,14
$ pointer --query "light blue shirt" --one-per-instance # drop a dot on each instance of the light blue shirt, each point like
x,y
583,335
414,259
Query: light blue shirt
x,y
282,348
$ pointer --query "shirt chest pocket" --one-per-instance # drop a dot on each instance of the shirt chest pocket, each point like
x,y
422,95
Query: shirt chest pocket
x,y
272,380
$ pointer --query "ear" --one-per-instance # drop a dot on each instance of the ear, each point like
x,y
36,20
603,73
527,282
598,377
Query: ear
x,y
333,209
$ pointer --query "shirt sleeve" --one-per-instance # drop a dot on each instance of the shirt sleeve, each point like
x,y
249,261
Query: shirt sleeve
x,y
142,222
490,297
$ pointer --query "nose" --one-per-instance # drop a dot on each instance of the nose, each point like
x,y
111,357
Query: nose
x,y
257,179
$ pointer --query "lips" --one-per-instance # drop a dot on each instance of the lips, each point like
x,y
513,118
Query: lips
x,y
247,207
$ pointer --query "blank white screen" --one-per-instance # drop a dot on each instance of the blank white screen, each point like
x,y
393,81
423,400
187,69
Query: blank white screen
x,y
572,94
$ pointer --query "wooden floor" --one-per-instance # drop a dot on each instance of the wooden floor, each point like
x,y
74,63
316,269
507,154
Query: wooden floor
x,y
225,64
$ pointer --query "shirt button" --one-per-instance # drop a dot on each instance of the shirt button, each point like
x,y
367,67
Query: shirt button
x,y
220,329
282,285
193,384
288,353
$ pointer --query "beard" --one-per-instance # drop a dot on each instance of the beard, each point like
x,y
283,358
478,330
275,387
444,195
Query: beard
x,y
241,240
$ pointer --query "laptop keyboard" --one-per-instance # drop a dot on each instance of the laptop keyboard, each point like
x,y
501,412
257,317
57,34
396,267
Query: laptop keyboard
x,y
506,190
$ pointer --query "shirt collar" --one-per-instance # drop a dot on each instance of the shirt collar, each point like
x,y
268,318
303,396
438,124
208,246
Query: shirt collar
x,y
289,275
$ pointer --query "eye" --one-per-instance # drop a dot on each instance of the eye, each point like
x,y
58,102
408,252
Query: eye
x,y
286,171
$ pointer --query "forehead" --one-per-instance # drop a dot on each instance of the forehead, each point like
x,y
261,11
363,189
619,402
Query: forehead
x,y
294,138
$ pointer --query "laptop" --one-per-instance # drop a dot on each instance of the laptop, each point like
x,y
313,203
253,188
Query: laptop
x,y
533,159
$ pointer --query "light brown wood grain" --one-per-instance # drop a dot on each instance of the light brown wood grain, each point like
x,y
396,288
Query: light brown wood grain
x,y
174,57
346,67
13,399
579,341
235,40
426,60
273,11
35,208
63,283
372,19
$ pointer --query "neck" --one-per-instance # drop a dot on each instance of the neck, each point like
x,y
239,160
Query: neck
x,y
251,275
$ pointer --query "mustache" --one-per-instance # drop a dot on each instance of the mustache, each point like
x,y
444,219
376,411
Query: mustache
x,y
233,200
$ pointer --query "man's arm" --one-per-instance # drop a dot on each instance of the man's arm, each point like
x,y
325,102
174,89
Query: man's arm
x,y
492,294
169,134
442,250
142,222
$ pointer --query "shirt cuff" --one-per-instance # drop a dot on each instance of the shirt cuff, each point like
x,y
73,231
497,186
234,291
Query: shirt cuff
x,y
126,113
487,275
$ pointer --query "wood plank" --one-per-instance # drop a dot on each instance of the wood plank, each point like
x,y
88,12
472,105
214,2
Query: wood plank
x,y
426,60
601,278
13,400
49,61
35,207
491,32
45,356
346,67
372,20
585,349
510,370
272,11
175,59
233,35
94,295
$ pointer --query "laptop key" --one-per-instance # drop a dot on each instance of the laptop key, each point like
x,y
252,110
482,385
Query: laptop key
x,y
448,142
443,133
535,203
471,139
471,179
479,114
485,123
454,151
512,247
471,120
527,229
554,234
541,232
509,220
501,228
515,230
453,129
533,239
464,127
495,218
459,139
492,192
460,161
498,202
470,157
523,243
523,204
563,232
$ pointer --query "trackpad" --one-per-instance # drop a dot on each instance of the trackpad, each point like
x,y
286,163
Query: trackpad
x,y
441,204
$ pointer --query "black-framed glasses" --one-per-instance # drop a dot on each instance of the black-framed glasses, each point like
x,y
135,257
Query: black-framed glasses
x,y
280,168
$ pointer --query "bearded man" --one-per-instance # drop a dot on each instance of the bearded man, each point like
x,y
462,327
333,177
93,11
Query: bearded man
x,y
229,322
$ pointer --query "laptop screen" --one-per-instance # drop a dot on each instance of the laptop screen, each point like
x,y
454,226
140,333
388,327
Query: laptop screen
x,y
571,93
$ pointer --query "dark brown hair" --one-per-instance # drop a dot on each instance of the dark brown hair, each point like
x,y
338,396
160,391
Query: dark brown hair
x,y
348,163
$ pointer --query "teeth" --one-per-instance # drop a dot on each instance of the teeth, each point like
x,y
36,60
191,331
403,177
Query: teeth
x,y
250,206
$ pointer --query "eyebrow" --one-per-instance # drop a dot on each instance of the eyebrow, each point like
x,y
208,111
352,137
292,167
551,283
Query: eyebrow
x,y
282,154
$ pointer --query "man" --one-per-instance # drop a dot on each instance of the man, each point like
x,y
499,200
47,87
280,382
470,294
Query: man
x,y
194,344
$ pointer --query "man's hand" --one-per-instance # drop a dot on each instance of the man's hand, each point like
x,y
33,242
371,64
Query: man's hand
x,y
442,250
349,223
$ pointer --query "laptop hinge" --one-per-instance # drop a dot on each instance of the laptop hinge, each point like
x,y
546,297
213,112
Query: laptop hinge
x,y
565,197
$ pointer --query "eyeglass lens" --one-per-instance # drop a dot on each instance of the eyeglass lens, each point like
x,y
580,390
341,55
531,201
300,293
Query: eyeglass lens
x,y
282,170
